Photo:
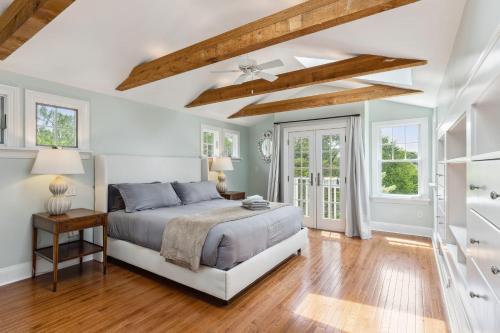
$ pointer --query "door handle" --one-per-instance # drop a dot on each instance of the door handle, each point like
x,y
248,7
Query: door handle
x,y
312,179
318,180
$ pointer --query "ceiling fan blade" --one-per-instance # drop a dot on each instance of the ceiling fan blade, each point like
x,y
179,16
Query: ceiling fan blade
x,y
266,76
226,71
271,64
241,79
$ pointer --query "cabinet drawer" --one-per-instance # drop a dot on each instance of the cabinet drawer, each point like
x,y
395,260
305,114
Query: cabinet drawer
x,y
484,176
82,224
485,306
484,247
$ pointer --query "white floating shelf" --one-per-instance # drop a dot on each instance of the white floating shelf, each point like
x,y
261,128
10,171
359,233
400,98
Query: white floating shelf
x,y
486,156
460,267
460,235
457,160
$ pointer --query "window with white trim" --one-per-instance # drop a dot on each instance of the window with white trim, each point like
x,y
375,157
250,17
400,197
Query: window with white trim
x,y
210,141
231,143
216,141
52,120
56,126
400,158
3,120
10,124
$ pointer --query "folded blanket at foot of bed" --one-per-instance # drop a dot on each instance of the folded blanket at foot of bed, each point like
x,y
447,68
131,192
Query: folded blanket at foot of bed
x,y
184,236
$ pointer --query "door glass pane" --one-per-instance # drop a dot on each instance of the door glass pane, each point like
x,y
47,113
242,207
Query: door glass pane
x,y
301,174
330,182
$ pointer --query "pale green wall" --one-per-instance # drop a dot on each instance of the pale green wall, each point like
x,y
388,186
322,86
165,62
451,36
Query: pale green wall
x,y
407,214
258,170
117,126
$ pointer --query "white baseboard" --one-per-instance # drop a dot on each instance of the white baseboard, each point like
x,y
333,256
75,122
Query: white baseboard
x,y
22,271
403,229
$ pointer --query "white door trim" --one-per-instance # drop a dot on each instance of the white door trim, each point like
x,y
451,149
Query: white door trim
x,y
285,167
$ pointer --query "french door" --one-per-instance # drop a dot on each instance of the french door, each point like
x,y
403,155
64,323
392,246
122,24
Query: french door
x,y
316,176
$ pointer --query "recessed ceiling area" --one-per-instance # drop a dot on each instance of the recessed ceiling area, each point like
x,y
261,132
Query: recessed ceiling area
x,y
398,77
82,49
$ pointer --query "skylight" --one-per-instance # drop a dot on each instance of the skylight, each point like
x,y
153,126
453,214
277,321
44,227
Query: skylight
x,y
400,76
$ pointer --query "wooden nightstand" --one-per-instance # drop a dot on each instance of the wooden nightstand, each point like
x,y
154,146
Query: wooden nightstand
x,y
233,195
75,219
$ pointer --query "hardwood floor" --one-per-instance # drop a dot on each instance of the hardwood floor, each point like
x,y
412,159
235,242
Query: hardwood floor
x,y
387,284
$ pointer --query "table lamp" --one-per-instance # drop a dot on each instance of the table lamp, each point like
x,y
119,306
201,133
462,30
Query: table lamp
x,y
58,162
221,164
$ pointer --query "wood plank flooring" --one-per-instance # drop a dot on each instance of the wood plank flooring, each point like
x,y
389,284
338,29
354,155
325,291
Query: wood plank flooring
x,y
387,284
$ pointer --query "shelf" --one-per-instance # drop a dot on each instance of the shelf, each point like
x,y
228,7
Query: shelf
x,y
460,235
68,251
484,116
486,156
457,160
461,268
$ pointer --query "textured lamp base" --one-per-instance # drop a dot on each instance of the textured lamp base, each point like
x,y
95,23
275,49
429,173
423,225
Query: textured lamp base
x,y
58,204
221,185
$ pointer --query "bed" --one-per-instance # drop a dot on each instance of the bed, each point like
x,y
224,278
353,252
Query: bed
x,y
235,253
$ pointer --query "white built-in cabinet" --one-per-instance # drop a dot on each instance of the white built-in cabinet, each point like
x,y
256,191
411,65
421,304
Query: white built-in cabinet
x,y
467,208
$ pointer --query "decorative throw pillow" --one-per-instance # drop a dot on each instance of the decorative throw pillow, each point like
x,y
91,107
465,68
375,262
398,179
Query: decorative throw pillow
x,y
139,197
196,192
115,200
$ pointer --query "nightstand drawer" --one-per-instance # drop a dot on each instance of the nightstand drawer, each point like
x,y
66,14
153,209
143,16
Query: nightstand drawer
x,y
78,225
233,195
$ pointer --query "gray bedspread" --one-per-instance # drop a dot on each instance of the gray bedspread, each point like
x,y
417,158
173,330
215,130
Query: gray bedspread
x,y
227,244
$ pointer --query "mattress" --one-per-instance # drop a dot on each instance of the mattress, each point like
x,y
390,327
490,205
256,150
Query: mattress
x,y
227,244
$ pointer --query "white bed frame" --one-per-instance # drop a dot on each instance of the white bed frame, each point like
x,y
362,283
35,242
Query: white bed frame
x,y
113,169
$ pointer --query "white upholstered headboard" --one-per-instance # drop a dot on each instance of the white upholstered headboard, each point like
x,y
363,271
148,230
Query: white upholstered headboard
x,y
114,169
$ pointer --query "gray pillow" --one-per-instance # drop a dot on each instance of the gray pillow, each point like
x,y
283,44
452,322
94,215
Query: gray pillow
x,y
148,196
196,192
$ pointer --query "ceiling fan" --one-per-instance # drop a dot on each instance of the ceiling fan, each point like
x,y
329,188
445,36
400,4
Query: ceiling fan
x,y
250,69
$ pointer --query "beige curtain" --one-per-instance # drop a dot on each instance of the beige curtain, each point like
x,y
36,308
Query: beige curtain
x,y
357,196
273,181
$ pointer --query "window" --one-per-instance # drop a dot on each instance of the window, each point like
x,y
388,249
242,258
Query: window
x,y
53,120
10,123
231,144
56,126
210,141
400,158
3,120
211,145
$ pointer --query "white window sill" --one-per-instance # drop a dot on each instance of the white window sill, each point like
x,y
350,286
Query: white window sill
x,y
29,153
422,201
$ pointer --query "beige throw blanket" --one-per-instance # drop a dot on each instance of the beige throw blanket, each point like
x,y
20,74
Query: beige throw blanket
x,y
184,236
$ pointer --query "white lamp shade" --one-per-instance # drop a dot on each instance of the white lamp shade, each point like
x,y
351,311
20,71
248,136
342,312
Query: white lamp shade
x,y
222,164
57,162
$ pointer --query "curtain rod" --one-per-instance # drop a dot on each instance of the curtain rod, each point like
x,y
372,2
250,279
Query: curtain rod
x,y
326,118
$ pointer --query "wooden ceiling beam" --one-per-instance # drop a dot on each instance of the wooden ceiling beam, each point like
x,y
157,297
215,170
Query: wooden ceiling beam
x,y
300,20
23,19
376,91
341,70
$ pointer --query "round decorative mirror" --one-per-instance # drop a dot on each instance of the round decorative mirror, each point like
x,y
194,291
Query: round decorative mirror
x,y
265,146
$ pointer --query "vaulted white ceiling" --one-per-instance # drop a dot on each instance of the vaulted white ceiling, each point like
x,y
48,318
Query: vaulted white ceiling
x,y
94,44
